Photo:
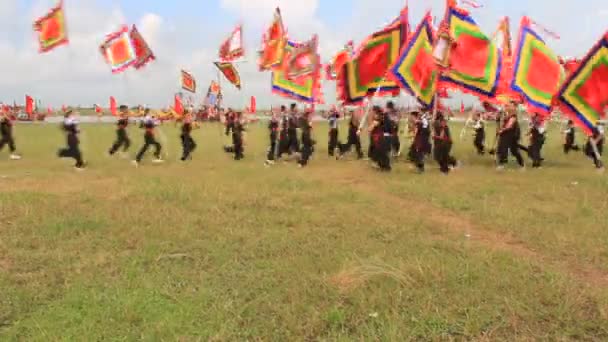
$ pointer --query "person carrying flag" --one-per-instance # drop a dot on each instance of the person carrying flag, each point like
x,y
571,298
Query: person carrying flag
x,y
149,125
122,138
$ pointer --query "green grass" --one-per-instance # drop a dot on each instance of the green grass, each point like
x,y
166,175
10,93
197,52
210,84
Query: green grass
x,y
223,250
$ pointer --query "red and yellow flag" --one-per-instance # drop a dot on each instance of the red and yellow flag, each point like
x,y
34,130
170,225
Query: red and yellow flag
x,y
273,44
52,30
229,71
188,82
232,48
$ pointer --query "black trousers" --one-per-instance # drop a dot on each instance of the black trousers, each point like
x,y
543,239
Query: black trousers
x,y
333,142
353,140
188,146
382,152
306,149
7,140
443,155
122,140
570,146
283,145
237,141
479,141
534,151
149,140
506,145
72,150
294,144
272,150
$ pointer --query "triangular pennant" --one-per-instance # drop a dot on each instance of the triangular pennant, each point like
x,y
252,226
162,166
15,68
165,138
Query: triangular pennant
x,y
52,30
273,44
142,50
415,69
232,48
188,82
475,62
118,50
229,71
584,95
537,73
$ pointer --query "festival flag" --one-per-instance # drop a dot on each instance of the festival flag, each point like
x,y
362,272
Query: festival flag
x,y
232,48
178,107
142,50
212,98
274,43
502,37
51,28
98,109
29,105
304,89
415,69
584,95
366,74
113,106
49,110
118,50
337,63
188,82
253,105
570,65
229,71
537,73
303,60
475,62
461,107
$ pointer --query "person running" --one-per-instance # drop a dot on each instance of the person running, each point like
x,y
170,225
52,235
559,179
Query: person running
x,y
333,142
149,125
6,136
480,134
122,138
508,141
570,138
273,128
353,138
188,144
595,147
70,127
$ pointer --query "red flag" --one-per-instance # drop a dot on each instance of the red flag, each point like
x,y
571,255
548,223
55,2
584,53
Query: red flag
x,y
461,107
29,105
49,110
97,109
273,43
113,107
303,61
178,107
232,48
51,29
253,105
188,82
142,50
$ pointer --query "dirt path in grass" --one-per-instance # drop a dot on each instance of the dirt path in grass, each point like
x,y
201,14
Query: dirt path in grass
x,y
462,226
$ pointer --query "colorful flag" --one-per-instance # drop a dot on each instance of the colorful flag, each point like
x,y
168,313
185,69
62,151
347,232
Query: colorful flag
x,y
118,50
584,95
366,74
475,62
188,82
212,98
29,105
113,106
570,64
178,107
304,89
142,50
229,71
97,109
537,73
461,107
52,30
415,69
339,60
274,44
253,105
502,37
303,60
232,48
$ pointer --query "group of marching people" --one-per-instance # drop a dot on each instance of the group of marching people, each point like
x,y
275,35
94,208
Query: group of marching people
x,y
430,135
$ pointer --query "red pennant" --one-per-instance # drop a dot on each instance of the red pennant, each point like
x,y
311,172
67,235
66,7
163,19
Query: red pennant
x,y
113,107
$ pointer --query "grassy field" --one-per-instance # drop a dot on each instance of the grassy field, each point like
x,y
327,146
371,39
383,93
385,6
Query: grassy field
x,y
226,251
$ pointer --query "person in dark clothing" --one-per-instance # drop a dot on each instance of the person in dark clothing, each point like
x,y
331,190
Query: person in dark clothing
x,y
508,141
283,133
595,147
570,141
421,143
307,141
292,130
273,127
381,138
395,118
230,119
238,136
6,136
443,146
333,142
122,138
537,140
188,144
70,127
480,134
353,138
149,125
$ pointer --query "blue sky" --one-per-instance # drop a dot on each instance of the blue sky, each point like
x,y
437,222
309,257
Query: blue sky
x,y
187,33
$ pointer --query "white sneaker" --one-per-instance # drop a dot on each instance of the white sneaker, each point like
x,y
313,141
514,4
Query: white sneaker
x,y
135,163
79,169
500,168
157,161
15,157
